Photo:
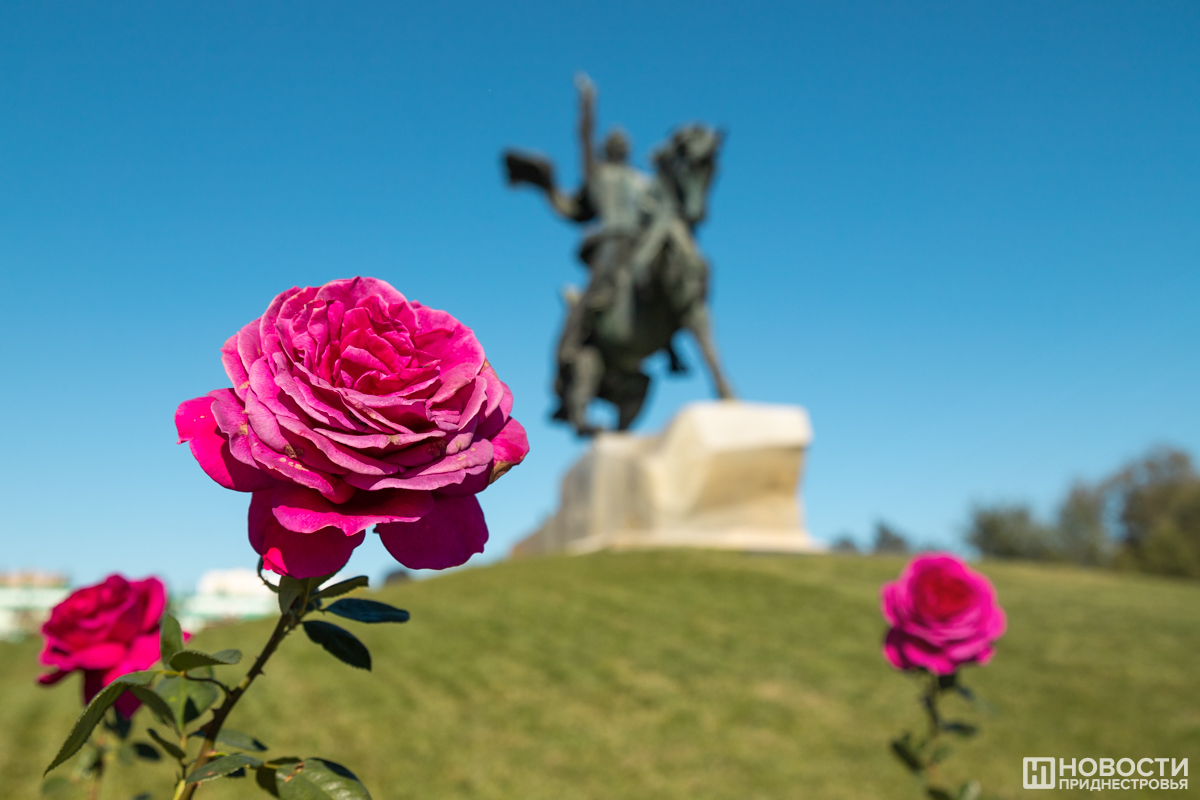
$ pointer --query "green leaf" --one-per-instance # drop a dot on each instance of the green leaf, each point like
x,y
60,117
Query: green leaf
x,y
170,638
146,751
343,587
904,751
186,699
155,703
57,786
340,643
264,776
220,767
963,729
191,659
290,590
175,750
975,700
318,779
94,712
938,794
239,740
236,739
314,583
367,611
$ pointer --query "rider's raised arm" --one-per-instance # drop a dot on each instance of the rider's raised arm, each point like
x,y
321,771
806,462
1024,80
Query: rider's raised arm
x,y
538,171
573,207
587,105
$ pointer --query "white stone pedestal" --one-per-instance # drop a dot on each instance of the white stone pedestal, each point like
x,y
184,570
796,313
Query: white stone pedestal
x,y
723,474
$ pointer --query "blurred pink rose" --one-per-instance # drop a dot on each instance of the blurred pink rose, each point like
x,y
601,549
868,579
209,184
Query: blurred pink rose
x,y
351,407
943,614
105,631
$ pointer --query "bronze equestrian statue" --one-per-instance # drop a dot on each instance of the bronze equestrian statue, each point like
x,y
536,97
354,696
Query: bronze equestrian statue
x,y
648,279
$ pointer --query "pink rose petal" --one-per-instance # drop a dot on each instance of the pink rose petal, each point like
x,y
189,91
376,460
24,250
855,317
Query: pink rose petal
x,y
51,678
305,511
101,655
196,425
300,555
445,537
510,446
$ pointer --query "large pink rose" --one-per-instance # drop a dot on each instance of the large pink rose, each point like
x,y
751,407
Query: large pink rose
x,y
943,614
105,631
353,407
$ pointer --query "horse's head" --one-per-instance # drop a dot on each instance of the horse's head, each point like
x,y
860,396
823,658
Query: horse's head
x,y
687,162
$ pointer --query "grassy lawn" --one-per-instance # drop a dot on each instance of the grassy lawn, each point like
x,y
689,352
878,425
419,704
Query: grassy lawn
x,y
680,674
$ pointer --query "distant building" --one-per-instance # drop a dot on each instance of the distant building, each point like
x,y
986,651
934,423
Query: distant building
x,y
226,595
26,598
222,595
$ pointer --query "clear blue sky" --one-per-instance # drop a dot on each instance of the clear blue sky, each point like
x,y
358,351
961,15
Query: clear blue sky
x,y
965,236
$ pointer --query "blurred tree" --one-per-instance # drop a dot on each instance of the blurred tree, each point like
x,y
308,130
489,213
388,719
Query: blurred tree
x,y
1159,517
844,544
1146,517
1081,535
889,541
1011,531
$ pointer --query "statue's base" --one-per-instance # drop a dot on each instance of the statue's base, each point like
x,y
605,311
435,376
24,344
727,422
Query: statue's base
x,y
722,475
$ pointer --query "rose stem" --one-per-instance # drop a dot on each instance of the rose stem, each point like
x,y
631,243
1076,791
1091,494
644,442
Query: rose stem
x,y
213,728
932,691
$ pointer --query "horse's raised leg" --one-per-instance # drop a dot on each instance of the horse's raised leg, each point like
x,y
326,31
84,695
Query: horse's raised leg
x,y
698,323
587,371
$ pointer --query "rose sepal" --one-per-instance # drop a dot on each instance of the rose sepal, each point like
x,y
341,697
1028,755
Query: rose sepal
x,y
342,587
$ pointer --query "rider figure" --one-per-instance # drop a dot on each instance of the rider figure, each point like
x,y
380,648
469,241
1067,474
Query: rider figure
x,y
617,192
614,194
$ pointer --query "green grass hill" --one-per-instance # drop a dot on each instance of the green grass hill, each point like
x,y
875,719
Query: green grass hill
x,y
680,674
